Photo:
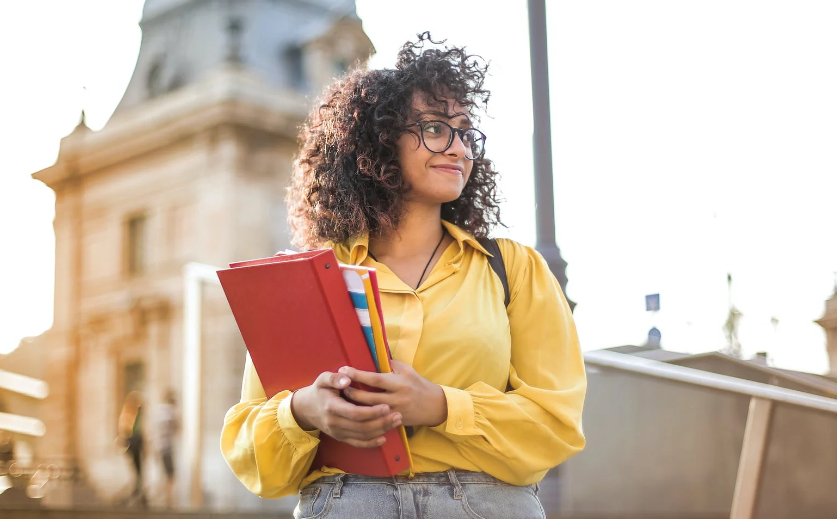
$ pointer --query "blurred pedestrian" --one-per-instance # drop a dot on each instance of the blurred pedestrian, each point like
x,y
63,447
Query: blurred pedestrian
x,y
168,424
130,434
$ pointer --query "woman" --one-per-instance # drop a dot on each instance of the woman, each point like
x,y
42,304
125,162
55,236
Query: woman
x,y
391,175
130,434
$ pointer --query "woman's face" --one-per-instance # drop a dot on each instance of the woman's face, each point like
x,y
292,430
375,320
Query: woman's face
x,y
434,178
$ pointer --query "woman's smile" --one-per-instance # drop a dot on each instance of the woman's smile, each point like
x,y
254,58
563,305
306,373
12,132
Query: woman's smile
x,y
450,169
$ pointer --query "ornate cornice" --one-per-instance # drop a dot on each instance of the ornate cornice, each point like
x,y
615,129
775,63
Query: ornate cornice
x,y
229,97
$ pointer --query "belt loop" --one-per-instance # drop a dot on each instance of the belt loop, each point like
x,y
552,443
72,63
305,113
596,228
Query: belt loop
x,y
537,487
338,486
457,487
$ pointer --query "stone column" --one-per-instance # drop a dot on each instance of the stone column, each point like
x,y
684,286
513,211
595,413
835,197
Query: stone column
x,y
62,340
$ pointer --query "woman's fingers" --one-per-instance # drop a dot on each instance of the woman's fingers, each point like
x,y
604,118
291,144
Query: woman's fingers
x,y
385,381
380,423
372,430
364,430
368,444
330,380
367,397
337,406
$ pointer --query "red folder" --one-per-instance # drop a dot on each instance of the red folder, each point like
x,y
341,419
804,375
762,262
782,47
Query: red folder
x,y
297,321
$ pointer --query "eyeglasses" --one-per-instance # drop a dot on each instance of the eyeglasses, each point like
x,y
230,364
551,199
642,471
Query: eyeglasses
x,y
437,137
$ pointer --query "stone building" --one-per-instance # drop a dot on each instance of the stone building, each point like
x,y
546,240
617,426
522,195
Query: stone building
x,y
191,168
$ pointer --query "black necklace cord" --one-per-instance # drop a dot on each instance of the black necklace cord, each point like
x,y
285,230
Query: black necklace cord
x,y
423,272
431,258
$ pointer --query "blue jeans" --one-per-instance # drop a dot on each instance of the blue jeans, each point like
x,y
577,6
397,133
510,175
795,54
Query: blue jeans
x,y
434,495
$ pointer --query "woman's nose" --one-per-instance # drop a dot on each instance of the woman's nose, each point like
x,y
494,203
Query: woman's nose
x,y
457,146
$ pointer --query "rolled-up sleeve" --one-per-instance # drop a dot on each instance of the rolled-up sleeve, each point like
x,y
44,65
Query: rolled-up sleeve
x,y
262,443
519,434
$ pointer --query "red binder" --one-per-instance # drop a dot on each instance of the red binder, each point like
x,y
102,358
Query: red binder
x,y
297,320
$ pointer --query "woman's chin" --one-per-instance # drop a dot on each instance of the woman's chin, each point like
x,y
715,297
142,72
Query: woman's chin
x,y
448,198
437,198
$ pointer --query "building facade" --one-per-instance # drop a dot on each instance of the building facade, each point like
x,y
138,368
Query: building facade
x,y
192,167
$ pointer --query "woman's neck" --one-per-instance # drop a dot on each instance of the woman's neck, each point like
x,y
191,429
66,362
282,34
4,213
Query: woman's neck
x,y
418,232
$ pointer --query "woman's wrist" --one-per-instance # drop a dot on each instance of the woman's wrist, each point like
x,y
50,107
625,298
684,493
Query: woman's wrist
x,y
299,407
438,410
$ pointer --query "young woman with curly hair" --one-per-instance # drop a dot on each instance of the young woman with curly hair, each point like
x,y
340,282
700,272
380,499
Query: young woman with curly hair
x,y
392,175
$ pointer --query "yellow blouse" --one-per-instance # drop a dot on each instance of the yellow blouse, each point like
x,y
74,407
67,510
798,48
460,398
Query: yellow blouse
x,y
455,331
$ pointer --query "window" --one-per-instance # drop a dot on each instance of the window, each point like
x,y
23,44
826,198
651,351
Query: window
x,y
340,68
133,378
295,67
136,245
154,78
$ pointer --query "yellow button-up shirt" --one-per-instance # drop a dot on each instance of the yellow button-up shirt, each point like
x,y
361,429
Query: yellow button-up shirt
x,y
513,377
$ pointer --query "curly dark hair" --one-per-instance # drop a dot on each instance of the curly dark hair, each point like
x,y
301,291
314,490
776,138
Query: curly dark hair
x,y
347,181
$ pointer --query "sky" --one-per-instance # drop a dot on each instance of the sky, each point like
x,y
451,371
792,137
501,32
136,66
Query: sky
x,y
690,140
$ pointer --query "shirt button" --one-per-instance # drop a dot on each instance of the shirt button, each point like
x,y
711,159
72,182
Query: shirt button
x,y
459,425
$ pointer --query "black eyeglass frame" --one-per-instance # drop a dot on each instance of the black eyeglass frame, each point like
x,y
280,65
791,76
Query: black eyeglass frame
x,y
453,131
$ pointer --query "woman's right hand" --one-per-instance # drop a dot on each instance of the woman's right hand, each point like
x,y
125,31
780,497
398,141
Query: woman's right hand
x,y
321,406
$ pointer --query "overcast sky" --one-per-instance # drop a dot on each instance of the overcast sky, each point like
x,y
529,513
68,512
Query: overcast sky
x,y
690,139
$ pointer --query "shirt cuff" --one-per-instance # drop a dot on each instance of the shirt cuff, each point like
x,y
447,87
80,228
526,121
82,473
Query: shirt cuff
x,y
301,440
460,421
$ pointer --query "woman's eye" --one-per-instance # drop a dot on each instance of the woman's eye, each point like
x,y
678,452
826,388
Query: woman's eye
x,y
433,128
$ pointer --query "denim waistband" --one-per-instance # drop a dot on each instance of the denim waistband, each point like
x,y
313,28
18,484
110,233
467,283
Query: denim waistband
x,y
463,477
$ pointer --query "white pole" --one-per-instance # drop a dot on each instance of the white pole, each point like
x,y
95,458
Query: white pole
x,y
194,275
24,385
31,387
21,424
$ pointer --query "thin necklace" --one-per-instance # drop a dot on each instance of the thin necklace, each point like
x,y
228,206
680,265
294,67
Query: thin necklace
x,y
428,261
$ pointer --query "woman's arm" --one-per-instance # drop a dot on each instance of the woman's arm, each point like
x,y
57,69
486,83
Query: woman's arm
x,y
517,434
536,424
267,449
262,443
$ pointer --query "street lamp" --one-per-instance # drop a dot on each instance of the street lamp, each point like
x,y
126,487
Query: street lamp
x,y
542,142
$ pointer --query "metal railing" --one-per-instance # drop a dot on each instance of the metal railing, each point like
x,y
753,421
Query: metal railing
x,y
38,476
756,432
30,387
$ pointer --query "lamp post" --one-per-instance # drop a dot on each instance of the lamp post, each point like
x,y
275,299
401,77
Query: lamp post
x,y
542,142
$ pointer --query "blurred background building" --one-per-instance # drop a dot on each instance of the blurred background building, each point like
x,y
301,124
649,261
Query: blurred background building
x,y
192,167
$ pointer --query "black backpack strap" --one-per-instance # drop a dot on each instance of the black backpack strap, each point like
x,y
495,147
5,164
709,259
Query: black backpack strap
x,y
497,264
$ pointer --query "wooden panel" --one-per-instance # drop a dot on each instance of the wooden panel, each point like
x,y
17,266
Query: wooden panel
x,y
756,436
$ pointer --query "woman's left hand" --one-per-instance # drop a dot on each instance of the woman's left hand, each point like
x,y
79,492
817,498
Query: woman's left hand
x,y
419,401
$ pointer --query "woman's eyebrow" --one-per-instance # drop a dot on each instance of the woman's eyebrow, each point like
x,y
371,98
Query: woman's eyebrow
x,y
445,115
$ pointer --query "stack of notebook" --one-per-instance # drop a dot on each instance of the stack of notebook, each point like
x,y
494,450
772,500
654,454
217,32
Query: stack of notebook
x,y
301,314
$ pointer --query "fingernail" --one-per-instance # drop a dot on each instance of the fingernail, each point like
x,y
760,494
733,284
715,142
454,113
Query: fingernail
x,y
381,440
343,370
396,423
396,417
343,381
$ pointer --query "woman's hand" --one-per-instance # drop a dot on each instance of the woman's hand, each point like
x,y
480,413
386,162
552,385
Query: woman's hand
x,y
320,406
416,399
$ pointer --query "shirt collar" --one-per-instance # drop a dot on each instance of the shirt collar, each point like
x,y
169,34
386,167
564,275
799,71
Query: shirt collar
x,y
463,237
355,250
